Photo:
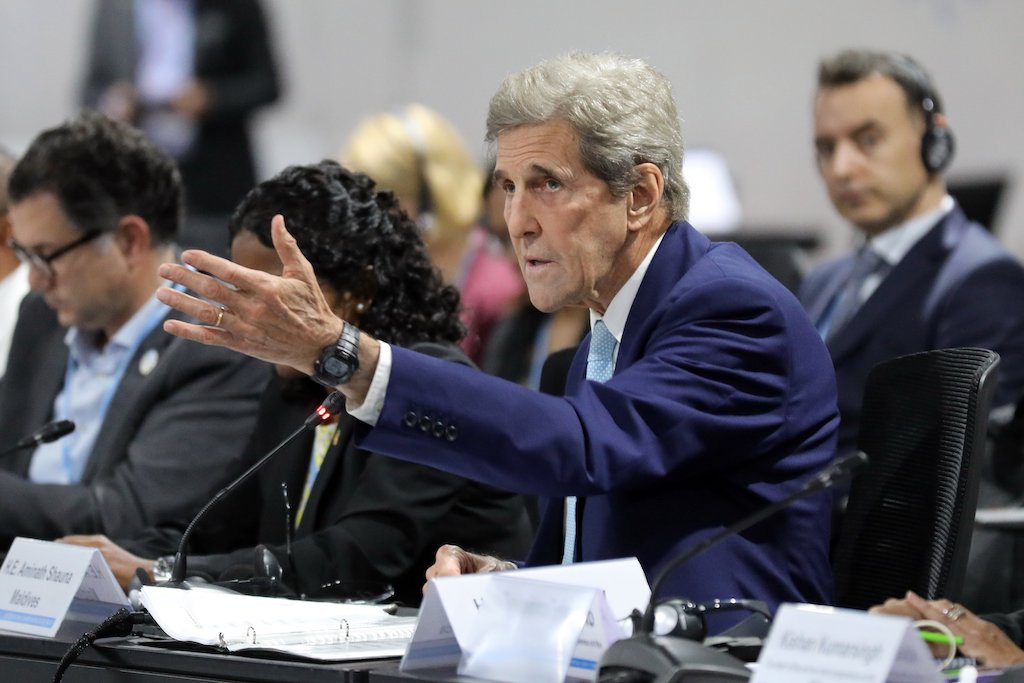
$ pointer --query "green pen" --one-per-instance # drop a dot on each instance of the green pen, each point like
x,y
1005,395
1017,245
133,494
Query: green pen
x,y
933,637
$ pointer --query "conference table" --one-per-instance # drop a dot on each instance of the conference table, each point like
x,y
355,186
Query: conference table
x,y
123,660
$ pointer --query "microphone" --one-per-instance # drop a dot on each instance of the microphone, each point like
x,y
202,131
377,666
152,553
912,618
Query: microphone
x,y
51,431
648,657
331,406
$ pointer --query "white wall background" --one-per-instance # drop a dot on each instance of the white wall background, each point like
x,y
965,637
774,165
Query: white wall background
x,y
743,72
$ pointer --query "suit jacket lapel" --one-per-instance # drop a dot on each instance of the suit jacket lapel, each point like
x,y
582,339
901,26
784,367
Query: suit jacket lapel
x,y
833,282
681,248
137,378
917,267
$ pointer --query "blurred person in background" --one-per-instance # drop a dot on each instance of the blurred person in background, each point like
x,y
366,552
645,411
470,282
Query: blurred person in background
x,y
13,273
420,157
925,276
190,74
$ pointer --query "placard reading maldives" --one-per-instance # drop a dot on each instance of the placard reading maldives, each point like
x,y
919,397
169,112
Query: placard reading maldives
x,y
43,584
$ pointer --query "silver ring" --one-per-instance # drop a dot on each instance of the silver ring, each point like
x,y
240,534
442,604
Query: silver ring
x,y
953,613
220,316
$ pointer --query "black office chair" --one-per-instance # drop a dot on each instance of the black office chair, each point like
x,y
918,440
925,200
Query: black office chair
x,y
909,517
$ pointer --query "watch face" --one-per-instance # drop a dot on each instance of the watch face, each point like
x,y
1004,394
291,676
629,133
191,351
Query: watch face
x,y
334,366
337,363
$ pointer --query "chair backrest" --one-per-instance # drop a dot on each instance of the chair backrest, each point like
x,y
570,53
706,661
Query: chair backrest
x,y
910,513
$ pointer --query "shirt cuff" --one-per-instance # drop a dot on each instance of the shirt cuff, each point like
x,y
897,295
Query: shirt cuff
x,y
373,405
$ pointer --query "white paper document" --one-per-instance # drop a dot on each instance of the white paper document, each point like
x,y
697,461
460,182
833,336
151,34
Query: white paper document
x,y
317,630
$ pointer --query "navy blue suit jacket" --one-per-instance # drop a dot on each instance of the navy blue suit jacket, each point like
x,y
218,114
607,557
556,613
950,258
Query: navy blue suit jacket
x,y
956,287
722,401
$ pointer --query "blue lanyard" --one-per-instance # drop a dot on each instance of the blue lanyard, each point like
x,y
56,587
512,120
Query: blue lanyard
x,y
154,320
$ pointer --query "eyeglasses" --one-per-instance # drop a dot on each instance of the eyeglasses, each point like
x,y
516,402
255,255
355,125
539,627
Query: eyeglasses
x,y
44,263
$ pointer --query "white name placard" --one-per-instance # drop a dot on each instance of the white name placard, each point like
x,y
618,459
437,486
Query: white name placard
x,y
808,643
43,584
449,627
528,630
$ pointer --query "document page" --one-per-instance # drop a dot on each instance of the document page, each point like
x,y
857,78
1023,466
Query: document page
x,y
316,630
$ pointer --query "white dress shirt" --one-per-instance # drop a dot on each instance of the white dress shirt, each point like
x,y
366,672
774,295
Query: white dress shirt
x,y
893,244
93,375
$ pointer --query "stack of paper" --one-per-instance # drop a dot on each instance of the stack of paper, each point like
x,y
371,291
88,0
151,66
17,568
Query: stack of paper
x,y
317,630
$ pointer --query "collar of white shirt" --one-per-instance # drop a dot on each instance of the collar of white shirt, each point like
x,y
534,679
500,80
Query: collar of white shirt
x,y
893,244
618,310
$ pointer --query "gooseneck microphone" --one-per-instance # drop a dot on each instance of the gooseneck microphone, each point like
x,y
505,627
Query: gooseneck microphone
x,y
331,406
51,431
646,657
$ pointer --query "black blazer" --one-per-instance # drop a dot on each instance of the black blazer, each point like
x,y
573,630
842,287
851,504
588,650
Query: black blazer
x,y
369,517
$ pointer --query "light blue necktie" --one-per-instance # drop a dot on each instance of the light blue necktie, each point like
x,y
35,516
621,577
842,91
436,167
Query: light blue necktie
x,y
600,364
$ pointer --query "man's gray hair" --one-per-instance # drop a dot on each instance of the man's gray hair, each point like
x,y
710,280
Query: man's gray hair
x,y
621,109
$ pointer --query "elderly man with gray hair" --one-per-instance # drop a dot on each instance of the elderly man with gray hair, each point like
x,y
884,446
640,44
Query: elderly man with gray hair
x,y
702,395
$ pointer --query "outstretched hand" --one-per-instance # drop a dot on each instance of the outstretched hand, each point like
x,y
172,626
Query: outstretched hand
x,y
284,320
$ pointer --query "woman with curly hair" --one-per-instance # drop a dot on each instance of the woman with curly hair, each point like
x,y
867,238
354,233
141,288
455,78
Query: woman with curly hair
x,y
355,516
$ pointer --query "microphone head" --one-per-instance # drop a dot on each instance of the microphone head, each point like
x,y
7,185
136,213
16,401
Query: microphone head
x,y
50,431
56,430
332,405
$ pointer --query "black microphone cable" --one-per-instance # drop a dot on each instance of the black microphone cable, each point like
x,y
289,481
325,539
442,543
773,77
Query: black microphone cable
x,y
119,623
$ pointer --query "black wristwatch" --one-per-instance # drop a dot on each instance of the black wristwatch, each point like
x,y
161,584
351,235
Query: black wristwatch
x,y
339,361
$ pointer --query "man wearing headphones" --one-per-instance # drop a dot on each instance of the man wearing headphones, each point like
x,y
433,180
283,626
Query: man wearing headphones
x,y
926,277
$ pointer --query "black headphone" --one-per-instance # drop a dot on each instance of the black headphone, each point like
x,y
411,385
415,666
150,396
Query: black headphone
x,y
937,144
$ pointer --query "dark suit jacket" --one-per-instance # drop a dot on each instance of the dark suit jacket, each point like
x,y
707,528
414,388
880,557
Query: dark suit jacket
x,y
722,401
233,59
956,287
1012,623
170,438
368,517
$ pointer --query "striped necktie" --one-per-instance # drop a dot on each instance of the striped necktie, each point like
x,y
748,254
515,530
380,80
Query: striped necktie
x,y
600,364
867,263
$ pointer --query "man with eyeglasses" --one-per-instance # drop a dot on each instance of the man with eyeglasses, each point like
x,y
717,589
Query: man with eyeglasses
x,y
160,424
